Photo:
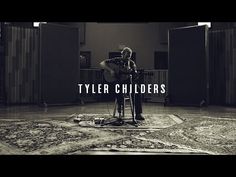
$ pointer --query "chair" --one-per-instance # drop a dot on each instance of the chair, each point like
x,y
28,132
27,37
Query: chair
x,y
125,106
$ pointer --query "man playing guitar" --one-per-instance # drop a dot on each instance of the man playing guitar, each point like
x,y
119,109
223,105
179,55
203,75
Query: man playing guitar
x,y
118,68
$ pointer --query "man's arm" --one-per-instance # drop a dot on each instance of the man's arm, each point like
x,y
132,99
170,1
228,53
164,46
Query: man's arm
x,y
134,67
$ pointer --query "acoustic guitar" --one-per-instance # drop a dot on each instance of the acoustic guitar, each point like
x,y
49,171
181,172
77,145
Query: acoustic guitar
x,y
122,73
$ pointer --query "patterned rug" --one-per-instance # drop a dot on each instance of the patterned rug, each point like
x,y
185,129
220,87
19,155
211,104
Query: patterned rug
x,y
68,137
159,133
152,121
206,134
134,140
47,137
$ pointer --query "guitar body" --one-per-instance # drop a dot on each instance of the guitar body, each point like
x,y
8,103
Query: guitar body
x,y
121,73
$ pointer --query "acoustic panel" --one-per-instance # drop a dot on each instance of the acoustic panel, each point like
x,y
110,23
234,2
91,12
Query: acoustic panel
x,y
80,25
222,55
21,63
59,64
218,51
188,66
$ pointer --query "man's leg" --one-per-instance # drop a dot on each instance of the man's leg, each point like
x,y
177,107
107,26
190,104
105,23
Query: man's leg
x,y
138,105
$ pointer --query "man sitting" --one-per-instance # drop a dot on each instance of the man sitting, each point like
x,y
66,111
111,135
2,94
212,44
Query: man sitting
x,y
125,60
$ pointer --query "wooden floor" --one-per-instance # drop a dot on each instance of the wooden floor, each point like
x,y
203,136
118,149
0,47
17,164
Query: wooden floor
x,y
63,112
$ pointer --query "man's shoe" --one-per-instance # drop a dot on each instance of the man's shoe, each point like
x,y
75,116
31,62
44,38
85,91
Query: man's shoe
x,y
139,117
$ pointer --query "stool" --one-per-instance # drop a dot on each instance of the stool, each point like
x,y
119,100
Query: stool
x,y
127,98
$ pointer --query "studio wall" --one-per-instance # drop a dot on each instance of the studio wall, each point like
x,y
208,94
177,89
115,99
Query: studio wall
x,y
143,38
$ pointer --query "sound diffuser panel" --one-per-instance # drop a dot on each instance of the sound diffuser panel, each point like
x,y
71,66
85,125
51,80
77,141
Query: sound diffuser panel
x,y
59,64
188,66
